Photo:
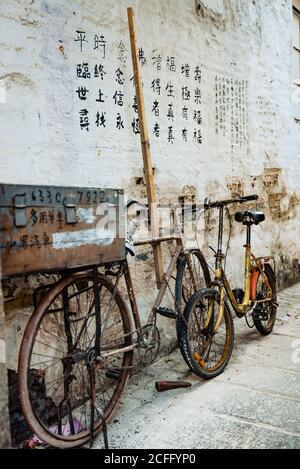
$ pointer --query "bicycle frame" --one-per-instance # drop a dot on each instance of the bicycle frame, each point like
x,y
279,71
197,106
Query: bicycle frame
x,y
221,281
162,290
164,283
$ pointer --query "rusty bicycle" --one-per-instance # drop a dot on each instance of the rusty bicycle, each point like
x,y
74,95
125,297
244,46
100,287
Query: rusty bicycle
x,y
207,329
77,351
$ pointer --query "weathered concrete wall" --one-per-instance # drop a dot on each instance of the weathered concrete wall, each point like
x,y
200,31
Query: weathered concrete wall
x,y
237,134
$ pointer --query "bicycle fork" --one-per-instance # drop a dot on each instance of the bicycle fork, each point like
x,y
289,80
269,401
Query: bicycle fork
x,y
211,311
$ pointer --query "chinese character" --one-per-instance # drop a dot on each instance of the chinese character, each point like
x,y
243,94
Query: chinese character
x,y
118,98
99,72
24,242
101,119
43,218
156,86
185,70
84,120
100,99
33,217
100,43
197,96
82,93
135,106
51,216
170,90
170,114
186,94
198,136
156,130
142,57
155,108
170,135
185,113
171,64
83,70
156,60
135,125
198,117
60,218
184,135
198,74
81,38
120,123
46,239
122,57
35,241
120,77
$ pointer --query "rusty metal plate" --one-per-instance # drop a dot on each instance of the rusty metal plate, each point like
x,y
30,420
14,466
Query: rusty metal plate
x,y
45,228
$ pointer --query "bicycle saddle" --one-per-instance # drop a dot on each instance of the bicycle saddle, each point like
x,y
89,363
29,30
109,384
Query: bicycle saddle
x,y
250,217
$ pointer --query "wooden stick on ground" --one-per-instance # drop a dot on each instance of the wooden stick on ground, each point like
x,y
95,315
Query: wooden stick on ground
x,y
148,169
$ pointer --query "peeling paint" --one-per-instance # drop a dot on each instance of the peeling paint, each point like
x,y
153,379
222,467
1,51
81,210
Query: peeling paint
x,y
213,12
19,79
235,186
27,22
85,215
75,239
270,178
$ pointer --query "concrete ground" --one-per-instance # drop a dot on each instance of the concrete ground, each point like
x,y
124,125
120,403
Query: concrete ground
x,y
255,403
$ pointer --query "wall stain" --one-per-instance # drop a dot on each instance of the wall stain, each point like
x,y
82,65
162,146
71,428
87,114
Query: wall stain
x,y
17,78
275,200
235,187
210,16
188,195
26,22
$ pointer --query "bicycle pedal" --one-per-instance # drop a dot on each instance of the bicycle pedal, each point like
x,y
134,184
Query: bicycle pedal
x,y
113,374
167,312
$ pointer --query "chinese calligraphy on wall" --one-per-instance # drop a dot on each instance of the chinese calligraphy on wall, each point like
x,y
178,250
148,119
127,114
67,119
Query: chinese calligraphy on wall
x,y
175,90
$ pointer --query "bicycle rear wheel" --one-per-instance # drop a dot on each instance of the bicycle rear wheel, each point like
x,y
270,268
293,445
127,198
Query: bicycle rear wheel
x,y
56,354
264,315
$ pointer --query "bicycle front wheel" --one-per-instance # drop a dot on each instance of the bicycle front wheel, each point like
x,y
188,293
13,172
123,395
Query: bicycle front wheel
x,y
206,351
58,348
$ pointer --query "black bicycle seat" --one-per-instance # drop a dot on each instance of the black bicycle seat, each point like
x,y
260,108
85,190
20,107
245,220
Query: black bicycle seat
x,y
250,217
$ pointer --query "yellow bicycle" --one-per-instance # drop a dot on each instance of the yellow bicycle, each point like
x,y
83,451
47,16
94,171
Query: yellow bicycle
x,y
207,330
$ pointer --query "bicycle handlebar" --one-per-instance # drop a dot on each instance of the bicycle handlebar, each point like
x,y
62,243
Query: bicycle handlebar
x,y
250,197
207,203
221,203
131,202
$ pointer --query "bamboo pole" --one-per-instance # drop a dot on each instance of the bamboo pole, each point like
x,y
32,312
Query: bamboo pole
x,y
147,160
